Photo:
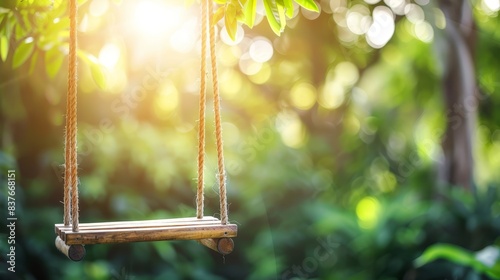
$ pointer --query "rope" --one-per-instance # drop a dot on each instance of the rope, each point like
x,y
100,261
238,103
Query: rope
x,y
218,126
207,6
203,100
71,162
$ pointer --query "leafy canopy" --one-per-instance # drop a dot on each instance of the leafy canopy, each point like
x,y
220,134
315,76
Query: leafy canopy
x,y
244,11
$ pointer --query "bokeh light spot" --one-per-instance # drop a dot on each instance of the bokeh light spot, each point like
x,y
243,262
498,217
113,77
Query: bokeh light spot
x,y
291,129
98,8
397,6
414,13
303,96
368,211
332,95
358,19
424,32
346,73
490,6
382,28
230,83
153,19
263,75
261,50
249,66
109,55
167,99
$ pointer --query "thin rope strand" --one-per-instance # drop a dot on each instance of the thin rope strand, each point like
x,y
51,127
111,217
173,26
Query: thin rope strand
x,y
68,147
71,119
201,124
218,125
67,165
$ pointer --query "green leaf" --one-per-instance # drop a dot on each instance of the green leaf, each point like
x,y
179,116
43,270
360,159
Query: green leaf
x,y
19,31
218,15
250,12
456,255
445,251
230,21
53,61
270,7
22,53
282,17
96,70
288,5
4,47
98,75
308,4
10,22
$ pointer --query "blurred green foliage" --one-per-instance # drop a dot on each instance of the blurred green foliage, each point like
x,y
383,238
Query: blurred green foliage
x,y
331,144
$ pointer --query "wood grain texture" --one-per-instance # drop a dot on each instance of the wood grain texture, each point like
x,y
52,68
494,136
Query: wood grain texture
x,y
222,245
152,230
60,228
73,252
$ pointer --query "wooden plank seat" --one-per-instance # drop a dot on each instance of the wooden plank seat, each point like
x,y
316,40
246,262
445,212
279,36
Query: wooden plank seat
x,y
148,230
208,231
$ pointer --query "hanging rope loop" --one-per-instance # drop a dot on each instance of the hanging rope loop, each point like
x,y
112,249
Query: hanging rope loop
x,y
70,150
201,124
207,7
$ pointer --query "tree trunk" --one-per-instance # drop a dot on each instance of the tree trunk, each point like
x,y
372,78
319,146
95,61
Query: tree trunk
x,y
459,89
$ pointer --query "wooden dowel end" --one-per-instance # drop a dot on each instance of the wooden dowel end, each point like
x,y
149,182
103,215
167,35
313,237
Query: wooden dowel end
x,y
223,245
73,252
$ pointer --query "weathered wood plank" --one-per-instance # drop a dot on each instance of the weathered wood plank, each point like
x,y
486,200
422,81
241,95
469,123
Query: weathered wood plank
x,y
139,234
221,245
133,224
145,224
73,252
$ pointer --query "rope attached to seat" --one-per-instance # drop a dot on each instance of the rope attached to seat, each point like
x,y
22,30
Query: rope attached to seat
x,y
201,124
70,150
218,124
71,162
207,6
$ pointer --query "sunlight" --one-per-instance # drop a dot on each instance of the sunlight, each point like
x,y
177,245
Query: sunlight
x,y
184,38
152,19
109,56
382,28
490,6
168,99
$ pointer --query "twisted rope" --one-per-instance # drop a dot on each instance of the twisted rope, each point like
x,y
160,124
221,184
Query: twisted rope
x,y
70,150
201,124
218,125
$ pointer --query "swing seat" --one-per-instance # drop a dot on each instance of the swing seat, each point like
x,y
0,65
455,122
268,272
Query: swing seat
x,y
208,231
148,230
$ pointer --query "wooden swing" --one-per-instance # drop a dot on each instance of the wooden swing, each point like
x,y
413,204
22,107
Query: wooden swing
x,y
209,231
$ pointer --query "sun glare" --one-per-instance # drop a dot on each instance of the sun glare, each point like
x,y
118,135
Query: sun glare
x,y
109,55
153,19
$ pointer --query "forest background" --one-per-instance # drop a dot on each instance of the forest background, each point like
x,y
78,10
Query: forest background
x,y
361,137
